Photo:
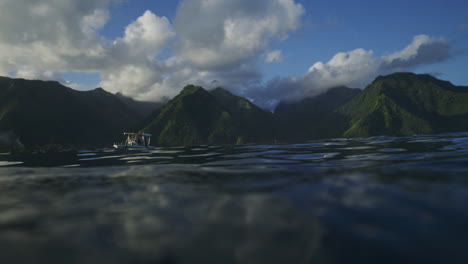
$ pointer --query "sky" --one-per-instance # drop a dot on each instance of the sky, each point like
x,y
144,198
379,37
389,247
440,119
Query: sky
x,y
265,50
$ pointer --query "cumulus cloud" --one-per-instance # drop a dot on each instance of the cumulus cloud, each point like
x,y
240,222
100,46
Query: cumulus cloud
x,y
41,34
229,33
131,78
146,36
353,68
210,43
57,36
220,47
274,56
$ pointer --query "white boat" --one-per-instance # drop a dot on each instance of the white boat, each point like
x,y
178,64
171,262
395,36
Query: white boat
x,y
135,141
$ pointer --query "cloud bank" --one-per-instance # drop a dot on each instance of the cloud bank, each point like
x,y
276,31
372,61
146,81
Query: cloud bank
x,y
210,43
354,68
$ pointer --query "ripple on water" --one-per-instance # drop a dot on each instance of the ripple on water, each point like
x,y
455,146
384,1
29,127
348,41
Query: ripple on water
x,y
274,202
370,156
382,141
428,140
10,163
86,154
249,161
200,155
103,158
359,148
71,166
146,158
254,154
388,150
456,146
314,156
458,141
161,151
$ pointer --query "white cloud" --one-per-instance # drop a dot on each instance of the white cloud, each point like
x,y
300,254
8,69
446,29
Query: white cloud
x,y
148,35
132,79
221,47
274,56
56,36
343,68
44,35
354,68
130,66
229,33
95,21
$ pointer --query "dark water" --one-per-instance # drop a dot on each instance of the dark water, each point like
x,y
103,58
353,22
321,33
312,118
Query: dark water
x,y
375,200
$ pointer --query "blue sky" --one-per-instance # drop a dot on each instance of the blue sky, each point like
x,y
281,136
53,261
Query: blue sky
x,y
383,26
333,26
181,46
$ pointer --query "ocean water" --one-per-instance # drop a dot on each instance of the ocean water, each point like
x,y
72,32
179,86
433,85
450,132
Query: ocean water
x,y
370,200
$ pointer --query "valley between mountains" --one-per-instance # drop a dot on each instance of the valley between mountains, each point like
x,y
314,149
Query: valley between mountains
x,y
40,113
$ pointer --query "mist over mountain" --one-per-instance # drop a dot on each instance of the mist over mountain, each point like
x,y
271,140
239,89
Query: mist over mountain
x,y
140,107
250,48
36,113
314,117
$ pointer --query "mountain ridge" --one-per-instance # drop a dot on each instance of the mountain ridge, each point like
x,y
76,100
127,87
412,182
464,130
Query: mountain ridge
x,y
192,117
311,117
46,112
407,103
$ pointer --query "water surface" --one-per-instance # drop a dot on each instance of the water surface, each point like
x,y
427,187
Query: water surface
x,y
372,200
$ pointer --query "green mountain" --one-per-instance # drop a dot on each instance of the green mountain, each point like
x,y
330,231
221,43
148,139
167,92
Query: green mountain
x,y
196,117
193,117
404,104
40,113
37,113
314,117
251,123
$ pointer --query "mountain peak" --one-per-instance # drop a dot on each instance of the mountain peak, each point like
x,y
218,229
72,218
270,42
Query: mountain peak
x,y
405,80
398,74
407,103
192,117
408,76
100,89
191,89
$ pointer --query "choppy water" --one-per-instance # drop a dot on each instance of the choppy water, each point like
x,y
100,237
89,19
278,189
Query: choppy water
x,y
374,200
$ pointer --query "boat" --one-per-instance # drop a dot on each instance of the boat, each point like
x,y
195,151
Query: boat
x,y
135,141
